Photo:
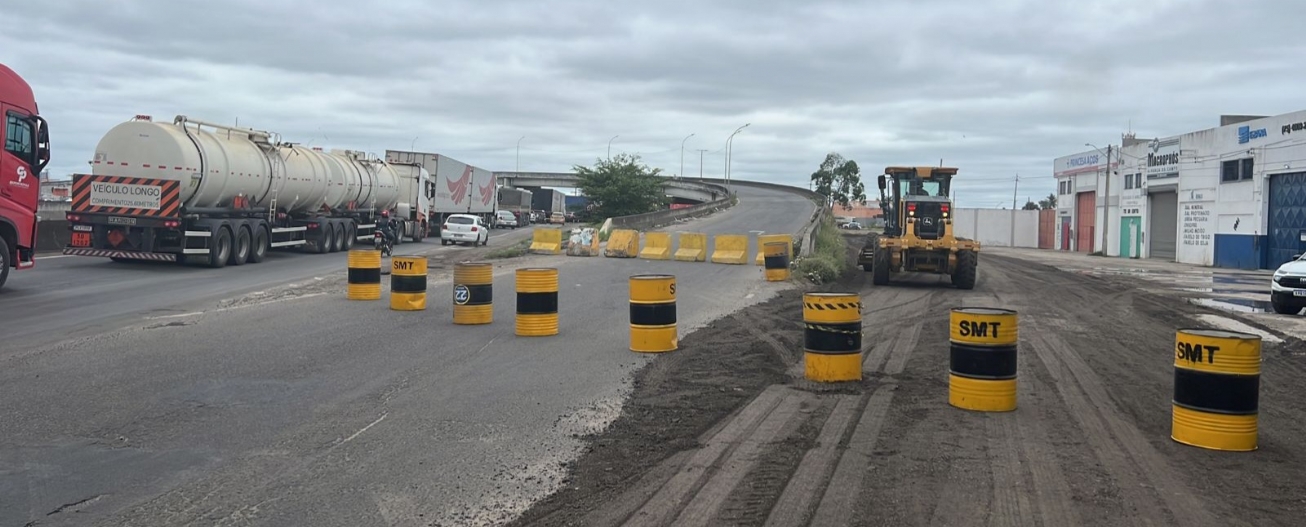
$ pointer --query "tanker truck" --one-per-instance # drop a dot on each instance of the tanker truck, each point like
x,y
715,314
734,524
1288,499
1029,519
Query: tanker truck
x,y
26,151
196,190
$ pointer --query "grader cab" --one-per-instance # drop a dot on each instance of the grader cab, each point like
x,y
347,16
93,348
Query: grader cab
x,y
918,235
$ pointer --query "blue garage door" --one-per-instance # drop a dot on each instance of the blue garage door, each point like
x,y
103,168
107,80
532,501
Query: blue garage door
x,y
1287,217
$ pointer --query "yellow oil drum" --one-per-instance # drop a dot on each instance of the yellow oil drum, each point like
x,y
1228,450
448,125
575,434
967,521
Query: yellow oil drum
x,y
537,302
832,337
473,293
364,275
1217,382
982,362
653,313
775,258
408,283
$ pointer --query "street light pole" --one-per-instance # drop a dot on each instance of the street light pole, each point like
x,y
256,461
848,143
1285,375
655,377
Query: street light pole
x,y
519,153
610,146
701,151
682,155
729,142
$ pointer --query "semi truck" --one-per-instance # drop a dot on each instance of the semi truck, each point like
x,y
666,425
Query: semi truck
x,y
549,201
414,205
26,152
454,188
195,190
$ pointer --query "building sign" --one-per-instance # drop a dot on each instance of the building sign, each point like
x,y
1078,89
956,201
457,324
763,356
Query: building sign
x,y
1246,134
1163,159
1079,163
1196,220
1293,128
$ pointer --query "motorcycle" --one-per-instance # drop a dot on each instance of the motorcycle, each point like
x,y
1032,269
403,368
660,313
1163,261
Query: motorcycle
x,y
380,243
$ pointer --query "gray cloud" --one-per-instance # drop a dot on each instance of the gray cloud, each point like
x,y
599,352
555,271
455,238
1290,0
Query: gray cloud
x,y
995,88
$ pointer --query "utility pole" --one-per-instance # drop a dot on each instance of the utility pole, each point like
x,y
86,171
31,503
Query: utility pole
x,y
1106,201
1014,190
610,146
701,151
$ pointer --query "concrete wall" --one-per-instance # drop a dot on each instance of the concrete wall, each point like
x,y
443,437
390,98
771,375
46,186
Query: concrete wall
x,y
992,227
651,220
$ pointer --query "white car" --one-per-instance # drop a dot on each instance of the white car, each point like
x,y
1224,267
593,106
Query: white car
x,y
464,228
1288,287
506,219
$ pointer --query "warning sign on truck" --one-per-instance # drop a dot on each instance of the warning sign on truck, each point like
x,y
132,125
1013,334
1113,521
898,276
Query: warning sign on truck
x,y
105,194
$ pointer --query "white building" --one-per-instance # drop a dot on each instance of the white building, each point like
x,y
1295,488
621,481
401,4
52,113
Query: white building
x,y
1229,196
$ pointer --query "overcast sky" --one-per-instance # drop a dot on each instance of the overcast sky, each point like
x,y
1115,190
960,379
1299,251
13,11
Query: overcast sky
x,y
994,88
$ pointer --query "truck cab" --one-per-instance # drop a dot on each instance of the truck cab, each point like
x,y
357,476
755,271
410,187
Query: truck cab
x,y
26,151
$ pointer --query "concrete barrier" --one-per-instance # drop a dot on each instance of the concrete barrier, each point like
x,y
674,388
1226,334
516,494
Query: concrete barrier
x,y
693,247
730,249
657,246
546,241
655,219
764,239
583,242
623,243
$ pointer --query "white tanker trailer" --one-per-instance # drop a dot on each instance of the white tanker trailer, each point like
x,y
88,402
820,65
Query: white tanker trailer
x,y
222,195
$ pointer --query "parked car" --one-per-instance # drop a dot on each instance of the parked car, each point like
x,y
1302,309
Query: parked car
x,y
571,217
558,218
1288,286
464,228
506,219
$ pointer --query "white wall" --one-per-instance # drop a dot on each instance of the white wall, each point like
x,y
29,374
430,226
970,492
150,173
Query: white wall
x,y
992,227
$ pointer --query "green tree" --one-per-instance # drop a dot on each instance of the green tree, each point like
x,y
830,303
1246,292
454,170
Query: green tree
x,y
1030,205
1049,202
840,181
622,186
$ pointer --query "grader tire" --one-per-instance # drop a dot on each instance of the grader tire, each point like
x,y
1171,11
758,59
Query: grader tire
x,y
964,275
880,267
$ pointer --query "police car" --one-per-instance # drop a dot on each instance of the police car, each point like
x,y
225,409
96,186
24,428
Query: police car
x,y
1288,287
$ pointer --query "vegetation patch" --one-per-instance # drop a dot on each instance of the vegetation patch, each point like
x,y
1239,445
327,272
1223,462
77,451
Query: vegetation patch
x,y
826,261
511,251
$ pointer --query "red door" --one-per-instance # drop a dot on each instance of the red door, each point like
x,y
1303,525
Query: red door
x,y
1047,234
1085,214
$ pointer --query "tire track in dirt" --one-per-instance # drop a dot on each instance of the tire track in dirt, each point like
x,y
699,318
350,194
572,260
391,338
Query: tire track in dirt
x,y
810,480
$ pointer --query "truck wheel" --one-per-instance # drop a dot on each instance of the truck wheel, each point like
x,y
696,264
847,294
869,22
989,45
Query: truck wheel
x,y
241,254
4,261
351,235
964,275
329,238
220,249
259,248
880,267
339,244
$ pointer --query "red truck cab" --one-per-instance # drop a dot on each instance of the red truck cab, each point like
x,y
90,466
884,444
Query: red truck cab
x,y
26,151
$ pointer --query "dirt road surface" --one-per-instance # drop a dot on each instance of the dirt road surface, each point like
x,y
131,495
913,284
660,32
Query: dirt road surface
x,y
727,432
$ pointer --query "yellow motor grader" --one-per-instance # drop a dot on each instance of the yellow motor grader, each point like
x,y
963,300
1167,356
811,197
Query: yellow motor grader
x,y
918,236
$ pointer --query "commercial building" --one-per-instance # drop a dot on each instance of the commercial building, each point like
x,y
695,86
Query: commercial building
x,y
1229,196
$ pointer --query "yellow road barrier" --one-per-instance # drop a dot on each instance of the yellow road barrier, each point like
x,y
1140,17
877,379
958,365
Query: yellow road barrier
x,y
622,243
546,241
408,283
730,249
657,246
693,247
777,261
982,363
764,239
473,293
537,302
653,313
832,337
364,275
1217,382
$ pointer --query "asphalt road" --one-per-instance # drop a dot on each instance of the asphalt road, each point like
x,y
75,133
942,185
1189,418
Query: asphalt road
x,y
294,406
73,296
